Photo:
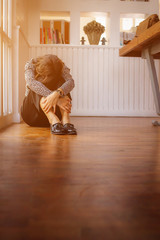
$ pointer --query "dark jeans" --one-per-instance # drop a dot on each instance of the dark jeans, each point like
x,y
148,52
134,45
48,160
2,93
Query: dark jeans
x,y
32,113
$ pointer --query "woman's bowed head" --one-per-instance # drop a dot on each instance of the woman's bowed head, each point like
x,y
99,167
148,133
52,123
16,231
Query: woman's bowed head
x,y
47,100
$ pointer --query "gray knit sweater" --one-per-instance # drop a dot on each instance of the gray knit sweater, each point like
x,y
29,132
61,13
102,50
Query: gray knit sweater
x,y
39,87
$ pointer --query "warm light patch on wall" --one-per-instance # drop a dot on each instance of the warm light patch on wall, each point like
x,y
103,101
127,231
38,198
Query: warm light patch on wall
x,y
55,16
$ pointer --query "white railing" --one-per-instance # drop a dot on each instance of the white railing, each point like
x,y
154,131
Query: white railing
x,y
21,55
6,42
106,85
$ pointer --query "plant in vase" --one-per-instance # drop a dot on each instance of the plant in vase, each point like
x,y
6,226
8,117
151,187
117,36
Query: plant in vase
x,y
94,31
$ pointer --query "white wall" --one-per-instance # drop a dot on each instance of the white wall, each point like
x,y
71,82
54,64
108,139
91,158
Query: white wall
x,y
114,7
22,15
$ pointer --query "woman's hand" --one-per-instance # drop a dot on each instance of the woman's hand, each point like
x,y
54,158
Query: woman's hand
x,y
50,101
65,103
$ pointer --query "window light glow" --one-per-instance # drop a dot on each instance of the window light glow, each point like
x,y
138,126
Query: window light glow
x,y
127,23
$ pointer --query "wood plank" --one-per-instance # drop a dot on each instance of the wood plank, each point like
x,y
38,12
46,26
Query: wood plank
x,y
102,184
135,47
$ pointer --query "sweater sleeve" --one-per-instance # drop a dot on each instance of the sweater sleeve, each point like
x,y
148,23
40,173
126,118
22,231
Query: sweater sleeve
x,y
69,82
33,84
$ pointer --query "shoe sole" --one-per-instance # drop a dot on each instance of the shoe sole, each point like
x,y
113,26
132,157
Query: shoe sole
x,y
73,133
58,133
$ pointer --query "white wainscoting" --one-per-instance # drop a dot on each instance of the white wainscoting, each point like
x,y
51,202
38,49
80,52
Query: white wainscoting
x,y
106,85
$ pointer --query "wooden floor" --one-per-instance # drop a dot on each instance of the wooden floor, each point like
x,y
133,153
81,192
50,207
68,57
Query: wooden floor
x,y
103,183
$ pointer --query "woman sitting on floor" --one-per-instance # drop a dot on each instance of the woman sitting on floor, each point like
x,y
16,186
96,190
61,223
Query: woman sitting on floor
x,y
47,99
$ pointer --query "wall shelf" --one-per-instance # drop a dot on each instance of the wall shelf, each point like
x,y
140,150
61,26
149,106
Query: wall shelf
x,y
54,28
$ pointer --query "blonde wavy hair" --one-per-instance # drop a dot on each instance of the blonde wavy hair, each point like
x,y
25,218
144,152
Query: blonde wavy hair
x,y
48,67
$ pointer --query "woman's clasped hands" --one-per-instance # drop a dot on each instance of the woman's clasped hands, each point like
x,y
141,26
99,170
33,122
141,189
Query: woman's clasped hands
x,y
54,99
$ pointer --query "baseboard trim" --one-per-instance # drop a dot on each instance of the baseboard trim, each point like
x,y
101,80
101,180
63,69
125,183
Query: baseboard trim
x,y
16,118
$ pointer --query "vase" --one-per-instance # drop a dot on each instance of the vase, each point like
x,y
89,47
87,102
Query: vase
x,y
94,38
